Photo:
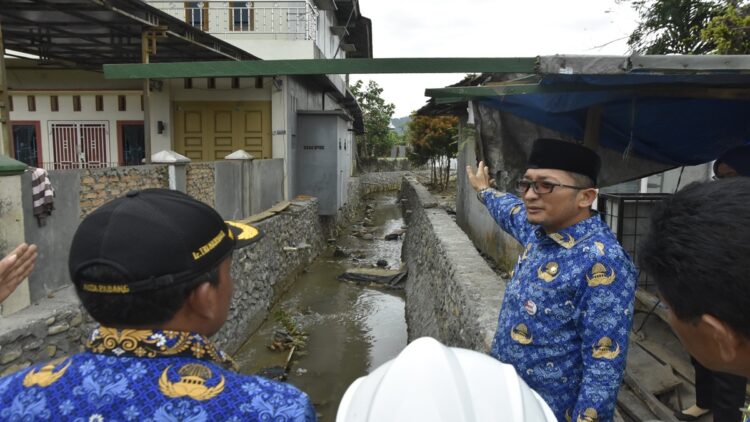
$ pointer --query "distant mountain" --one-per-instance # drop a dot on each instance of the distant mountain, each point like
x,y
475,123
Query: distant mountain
x,y
399,123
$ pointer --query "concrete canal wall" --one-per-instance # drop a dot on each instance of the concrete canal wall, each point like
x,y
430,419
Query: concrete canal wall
x,y
56,325
451,292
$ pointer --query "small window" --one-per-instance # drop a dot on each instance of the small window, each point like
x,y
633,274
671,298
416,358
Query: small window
x,y
188,83
143,107
10,103
122,103
235,83
99,103
259,82
211,83
54,103
31,102
241,16
76,103
196,14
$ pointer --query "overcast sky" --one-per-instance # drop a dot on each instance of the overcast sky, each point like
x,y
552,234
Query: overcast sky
x,y
487,28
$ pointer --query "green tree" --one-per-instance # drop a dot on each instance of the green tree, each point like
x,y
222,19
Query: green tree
x,y
674,26
434,141
730,30
377,114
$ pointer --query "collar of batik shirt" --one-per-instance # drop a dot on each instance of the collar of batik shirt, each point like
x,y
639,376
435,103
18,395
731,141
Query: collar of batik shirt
x,y
571,236
156,343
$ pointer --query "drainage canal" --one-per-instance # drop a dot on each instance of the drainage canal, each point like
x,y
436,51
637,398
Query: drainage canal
x,y
326,332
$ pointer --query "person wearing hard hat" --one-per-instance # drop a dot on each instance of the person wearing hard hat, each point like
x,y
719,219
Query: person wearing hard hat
x,y
568,307
431,382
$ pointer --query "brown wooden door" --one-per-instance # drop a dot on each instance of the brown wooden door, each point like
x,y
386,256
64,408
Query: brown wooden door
x,y
209,131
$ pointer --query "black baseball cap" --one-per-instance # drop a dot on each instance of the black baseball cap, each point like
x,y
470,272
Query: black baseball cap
x,y
547,153
154,238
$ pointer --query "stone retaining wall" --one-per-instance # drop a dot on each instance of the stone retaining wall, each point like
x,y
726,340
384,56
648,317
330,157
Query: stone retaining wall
x,y
451,292
101,185
200,182
56,325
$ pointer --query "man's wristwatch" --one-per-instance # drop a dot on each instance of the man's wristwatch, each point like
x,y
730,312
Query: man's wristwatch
x,y
480,193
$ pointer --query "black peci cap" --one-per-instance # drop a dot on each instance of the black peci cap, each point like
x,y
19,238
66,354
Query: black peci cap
x,y
154,238
561,155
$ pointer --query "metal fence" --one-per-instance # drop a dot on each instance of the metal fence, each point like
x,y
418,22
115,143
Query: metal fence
x,y
628,214
298,20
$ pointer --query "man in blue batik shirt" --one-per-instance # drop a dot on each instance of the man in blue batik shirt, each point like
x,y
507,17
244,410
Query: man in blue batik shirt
x,y
568,308
152,267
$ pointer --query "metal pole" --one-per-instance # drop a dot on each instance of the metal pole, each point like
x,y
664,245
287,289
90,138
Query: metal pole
x,y
4,102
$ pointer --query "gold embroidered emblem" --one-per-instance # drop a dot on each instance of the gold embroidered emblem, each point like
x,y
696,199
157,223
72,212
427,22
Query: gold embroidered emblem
x,y
562,241
549,273
603,349
520,333
192,382
515,210
589,415
47,375
599,276
247,231
600,247
526,252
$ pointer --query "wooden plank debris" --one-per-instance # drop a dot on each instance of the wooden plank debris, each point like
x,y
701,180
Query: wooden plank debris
x,y
654,377
658,408
276,209
632,406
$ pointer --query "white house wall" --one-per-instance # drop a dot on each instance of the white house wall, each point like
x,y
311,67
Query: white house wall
x,y
88,113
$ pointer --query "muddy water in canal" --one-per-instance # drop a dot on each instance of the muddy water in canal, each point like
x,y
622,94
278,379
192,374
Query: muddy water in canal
x,y
351,328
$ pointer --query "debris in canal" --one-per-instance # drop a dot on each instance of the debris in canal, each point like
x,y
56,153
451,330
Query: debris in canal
x,y
291,336
375,277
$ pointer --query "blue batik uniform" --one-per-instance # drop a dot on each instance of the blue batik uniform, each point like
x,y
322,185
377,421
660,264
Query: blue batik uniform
x,y
147,375
567,311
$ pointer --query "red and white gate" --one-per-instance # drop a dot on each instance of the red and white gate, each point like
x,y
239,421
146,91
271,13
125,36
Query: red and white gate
x,y
79,144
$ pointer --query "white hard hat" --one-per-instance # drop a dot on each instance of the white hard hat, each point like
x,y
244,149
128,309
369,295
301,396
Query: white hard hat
x,y
431,382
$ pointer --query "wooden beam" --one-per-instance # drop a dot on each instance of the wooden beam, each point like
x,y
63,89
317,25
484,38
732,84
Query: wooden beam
x,y
593,126
4,102
320,67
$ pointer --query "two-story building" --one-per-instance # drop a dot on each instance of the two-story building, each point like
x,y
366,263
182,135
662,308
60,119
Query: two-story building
x,y
64,114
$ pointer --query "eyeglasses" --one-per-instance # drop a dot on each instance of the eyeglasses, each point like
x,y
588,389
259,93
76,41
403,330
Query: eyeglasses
x,y
541,188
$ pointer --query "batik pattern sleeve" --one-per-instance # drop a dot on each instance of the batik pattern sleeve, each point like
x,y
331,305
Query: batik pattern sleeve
x,y
604,323
509,212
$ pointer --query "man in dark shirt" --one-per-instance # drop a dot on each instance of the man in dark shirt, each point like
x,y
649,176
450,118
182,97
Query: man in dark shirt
x,y
697,251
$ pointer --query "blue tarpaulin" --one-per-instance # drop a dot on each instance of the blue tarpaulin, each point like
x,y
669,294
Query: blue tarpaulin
x,y
675,119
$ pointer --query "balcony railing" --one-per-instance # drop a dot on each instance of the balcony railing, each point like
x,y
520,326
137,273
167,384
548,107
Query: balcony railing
x,y
297,20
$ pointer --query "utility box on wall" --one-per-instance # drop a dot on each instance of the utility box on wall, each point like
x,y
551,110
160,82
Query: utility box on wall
x,y
324,156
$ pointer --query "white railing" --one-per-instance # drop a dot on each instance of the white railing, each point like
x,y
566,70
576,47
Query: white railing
x,y
295,19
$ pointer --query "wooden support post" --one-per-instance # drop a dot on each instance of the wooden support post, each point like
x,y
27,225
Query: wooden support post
x,y
4,102
593,125
146,51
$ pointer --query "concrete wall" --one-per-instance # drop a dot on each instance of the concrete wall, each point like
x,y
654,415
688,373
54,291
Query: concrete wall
x,y
451,292
473,216
54,238
231,187
56,325
266,184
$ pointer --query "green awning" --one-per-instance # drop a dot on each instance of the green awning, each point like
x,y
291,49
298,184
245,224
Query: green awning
x,y
218,69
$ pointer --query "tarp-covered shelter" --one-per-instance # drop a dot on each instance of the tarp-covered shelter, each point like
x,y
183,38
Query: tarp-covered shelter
x,y
643,114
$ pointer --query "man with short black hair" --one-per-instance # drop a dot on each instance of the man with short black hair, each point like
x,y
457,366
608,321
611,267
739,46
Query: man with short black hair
x,y
153,268
697,251
568,307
